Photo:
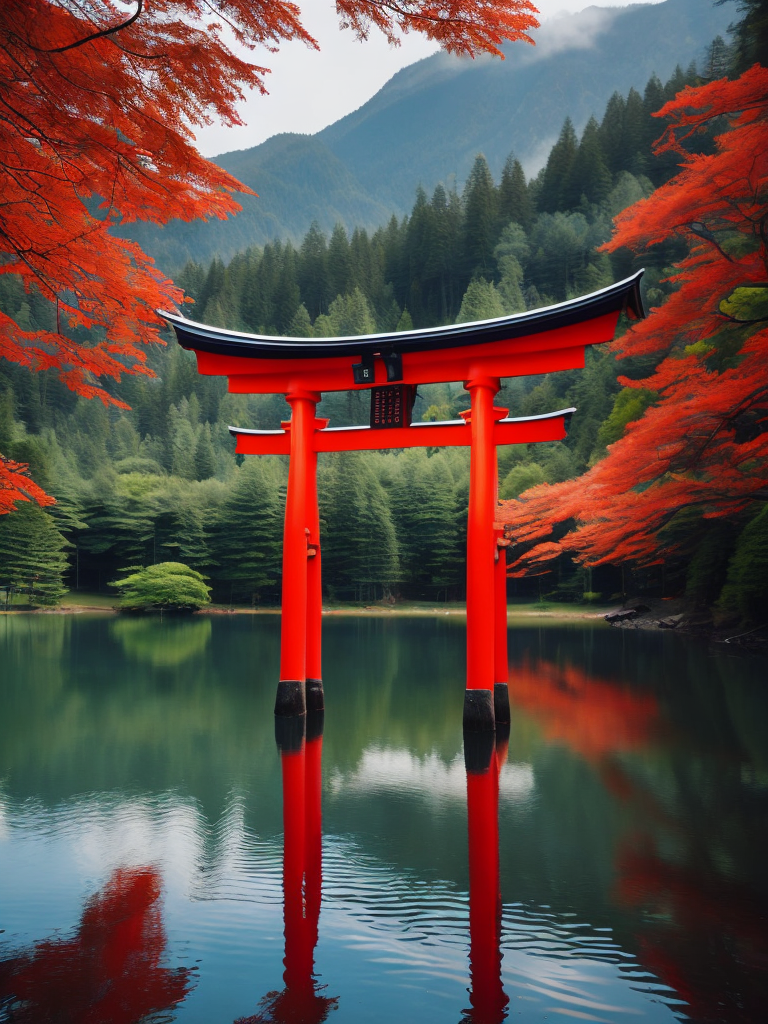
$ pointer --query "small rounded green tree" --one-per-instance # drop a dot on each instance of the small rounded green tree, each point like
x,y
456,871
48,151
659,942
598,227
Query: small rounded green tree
x,y
170,586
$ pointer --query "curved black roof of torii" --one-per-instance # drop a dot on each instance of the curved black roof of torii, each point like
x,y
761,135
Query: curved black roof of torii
x,y
624,296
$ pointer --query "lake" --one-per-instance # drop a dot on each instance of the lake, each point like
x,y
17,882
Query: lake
x,y
613,867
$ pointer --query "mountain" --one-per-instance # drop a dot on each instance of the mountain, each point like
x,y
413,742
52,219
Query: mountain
x,y
431,119
298,180
429,122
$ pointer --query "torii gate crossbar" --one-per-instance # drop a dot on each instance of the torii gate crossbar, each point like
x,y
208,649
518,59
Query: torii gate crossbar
x,y
478,354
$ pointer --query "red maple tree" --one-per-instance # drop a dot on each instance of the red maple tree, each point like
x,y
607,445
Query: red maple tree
x,y
98,104
702,444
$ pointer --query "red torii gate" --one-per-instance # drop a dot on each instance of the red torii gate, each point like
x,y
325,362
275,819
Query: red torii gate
x,y
392,366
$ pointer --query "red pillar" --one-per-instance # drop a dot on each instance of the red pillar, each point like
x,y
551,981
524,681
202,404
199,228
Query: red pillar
x,y
313,835
301,757
478,701
298,958
291,697
487,997
314,670
501,654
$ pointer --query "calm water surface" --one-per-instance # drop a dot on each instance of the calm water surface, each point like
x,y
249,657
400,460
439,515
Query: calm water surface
x,y
161,859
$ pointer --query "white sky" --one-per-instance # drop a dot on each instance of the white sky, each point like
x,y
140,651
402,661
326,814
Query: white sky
x,y
309,89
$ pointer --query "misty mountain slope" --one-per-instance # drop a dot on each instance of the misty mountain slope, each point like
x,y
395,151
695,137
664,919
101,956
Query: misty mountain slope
x,y
431,119
429,122
298,180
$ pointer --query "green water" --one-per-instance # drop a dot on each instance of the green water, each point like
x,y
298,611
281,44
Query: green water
x,y
632,826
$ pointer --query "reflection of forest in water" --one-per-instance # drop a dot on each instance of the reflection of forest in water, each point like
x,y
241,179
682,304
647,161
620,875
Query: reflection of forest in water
x,y
633,797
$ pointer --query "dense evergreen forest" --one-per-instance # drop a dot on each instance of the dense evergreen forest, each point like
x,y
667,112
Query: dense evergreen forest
x,y
158,480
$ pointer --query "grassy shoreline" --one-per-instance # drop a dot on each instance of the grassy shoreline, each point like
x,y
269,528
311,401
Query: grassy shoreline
x,y
544,613
77,603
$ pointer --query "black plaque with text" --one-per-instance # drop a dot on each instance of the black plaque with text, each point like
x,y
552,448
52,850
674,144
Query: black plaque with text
x,y
391,405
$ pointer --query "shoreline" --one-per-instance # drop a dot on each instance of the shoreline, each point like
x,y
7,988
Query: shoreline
x,y
668,616
360,611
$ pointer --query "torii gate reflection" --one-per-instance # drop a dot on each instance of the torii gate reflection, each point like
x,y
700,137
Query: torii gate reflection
x,y
299,741
391,366
484,757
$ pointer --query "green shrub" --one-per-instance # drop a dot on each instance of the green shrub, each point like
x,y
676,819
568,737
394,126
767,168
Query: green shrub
x,y
167,585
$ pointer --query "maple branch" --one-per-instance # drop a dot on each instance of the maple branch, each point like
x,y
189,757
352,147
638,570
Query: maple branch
x,y
141,56
219,14
703,232
433,19
94,35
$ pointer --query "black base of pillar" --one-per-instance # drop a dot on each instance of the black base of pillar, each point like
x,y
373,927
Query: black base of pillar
x,y
289,732
478,750
501,703
291,699
315,723
478,710
315,697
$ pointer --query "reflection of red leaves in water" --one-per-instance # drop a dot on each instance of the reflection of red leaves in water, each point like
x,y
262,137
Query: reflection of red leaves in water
x,y
595,718
711,948
110,972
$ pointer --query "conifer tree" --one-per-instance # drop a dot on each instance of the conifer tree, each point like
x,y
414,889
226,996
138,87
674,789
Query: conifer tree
x,y
653,100
589,178
120,512
212,286
424,511
191,280
7,424
347,315
555,180
481,219
635,156
675,83
405,323
179,526
441,247
245,541
183,444
360,553
750,35
339,262
611,130
560,247
313,271
252,294
205,458
481,302
300,325
32,559
286,296
418,236
515,202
